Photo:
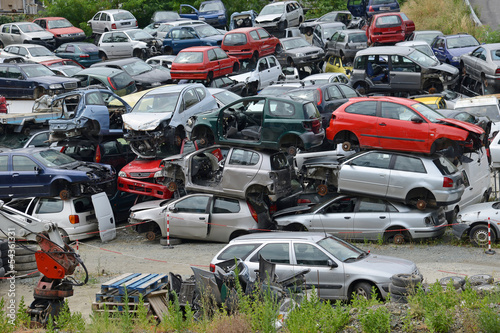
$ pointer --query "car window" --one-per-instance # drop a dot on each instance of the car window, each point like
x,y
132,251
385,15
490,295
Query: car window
x,y
371,205
107,38
388,21
263,33
235,39
14,73
254,35
397,111
190,98
23,163
403,64
120,37
4,163
237,251
495,55
366,108
194,204
445,166
309,255
345,205
263,65
243,157
111,148
49,206
220,53
372,160
281,109
94,98
411,164
96,17
225,206
277,253
272,62
40,140
348,91
83,205
211,55
201,93
334,93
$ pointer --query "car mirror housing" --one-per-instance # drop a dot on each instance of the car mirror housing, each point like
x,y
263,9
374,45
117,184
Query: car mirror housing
x,y
332,263
174,209
416,119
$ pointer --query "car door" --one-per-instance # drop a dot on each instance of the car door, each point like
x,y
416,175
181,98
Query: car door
x,y
331,45
274,68
366,174
337,217
95,109
187,38
438,47
329,281
265,73
399,126
277,253
15,35
188,12
105,216
317,39
371,218
266,42
107,44
404,74
240,168
189,216
5,175
477,63
28,177
405,169
122,45
225,64
18,84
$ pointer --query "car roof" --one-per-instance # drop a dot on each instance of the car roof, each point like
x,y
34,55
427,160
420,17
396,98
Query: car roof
x,y
490,46
462,34
29,150
384,50
399,100
112,11
331,24
246,29
117,62
412,43
198,48
174,88
51,18
281,235
322,76
29,46
102,71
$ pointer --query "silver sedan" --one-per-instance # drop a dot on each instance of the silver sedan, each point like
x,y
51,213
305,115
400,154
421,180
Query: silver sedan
x,y
364,218
483,64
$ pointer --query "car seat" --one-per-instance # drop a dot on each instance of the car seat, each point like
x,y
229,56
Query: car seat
x,y
375,74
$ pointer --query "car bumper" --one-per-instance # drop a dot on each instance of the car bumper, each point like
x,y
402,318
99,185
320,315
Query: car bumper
x,y
444,198
388,39
179,75
143,188
83,231
69,39
459,229
274,26
428,232
311,139
240,55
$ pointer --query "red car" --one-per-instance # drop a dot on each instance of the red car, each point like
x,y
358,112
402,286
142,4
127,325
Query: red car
x,y
61,62
402,124
388,28
250,43
63,30
202,63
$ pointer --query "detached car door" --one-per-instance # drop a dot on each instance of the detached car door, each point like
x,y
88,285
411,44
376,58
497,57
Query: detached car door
x,y
105,216
240,169
189,217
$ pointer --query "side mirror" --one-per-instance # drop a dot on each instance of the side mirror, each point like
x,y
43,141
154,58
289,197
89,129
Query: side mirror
x,y
37,169
174,209
332,263
416,119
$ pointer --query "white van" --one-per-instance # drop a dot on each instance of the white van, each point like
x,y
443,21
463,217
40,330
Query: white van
x,y
482,106
477,179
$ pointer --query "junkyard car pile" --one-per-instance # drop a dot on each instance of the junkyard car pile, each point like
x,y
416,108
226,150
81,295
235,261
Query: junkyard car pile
x,y
327,154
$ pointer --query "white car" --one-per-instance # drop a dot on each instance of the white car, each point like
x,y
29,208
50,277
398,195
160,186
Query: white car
x,y
278,16
36,53
161,60
25,32
324,78
128,43
473,222
77,218
111,20
266,71
495,151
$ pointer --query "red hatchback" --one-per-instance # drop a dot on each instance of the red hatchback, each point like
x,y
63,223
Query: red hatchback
x,y
250,43
389,28
402,124
202,63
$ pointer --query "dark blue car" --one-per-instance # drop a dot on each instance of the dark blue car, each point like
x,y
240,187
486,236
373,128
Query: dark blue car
x,y
367,8
212,12
448,49
47,172
179,38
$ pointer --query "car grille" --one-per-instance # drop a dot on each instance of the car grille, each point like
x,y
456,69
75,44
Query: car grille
x,y
311,53
70,85
140,174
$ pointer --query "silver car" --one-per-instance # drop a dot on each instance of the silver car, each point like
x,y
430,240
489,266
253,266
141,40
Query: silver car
x,y
128,43
324,31
413,179
483,65
112,19
473,222
364,218
199,216
25,32
346,43
239,172
338,269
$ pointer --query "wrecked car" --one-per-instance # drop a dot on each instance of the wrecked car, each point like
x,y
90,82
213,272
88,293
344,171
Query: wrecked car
x,y
262,122
158,119
244,19
227,217
260,74
211,12
91,113
240,172
45,172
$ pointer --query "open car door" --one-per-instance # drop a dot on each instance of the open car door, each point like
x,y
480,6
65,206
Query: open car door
x,y
105,217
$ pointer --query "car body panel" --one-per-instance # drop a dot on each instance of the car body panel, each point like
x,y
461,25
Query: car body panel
x,y
62,29
243,43
323,31
346,43
35,53
212,12
114,79
280,15
86,54
19,32
105,217
112,19
296,52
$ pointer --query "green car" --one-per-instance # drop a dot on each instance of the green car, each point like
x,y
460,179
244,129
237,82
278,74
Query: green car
x,y
263,122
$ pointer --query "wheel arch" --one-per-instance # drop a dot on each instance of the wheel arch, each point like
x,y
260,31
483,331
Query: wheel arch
x,y
238,233
417,191
354,282
345,135
295,226
485,224
292,138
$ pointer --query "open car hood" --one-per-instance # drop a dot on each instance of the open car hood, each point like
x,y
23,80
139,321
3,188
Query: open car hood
x,y
142,121
466,126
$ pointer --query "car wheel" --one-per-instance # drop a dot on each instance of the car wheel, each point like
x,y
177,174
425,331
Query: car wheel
x,y
25,258
400,291
479,235
480,279
172,186
25,249
458,281
362,289
277,49
421,204
346,146
292,151
290,62
398,239
322,190
138,54
65,194
103,56
236,67
25,266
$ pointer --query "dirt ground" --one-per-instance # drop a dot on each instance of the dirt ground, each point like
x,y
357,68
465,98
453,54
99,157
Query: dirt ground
x,y
132,253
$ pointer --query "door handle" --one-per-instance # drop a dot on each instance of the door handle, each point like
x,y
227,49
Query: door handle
x,y
383,124
347,217
202,218
382,217
15,175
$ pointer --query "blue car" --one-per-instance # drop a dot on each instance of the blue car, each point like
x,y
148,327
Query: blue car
x,y
92,113
367,8
45,172
179,38
212,12
448,49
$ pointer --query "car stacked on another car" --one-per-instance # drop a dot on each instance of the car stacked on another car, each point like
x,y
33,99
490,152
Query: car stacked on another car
x,y
278,16
449,48
181,37
35,53
114,79
346,43
388,28
296,52
250,43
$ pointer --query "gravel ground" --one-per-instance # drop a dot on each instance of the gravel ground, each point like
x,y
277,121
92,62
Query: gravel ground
x,y
132,253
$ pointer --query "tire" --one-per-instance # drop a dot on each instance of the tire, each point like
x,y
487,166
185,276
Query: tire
x,y
401,299
406,280
25,258
363,289
103,56
290,62
398,239
255,57
210,76
65,194
236,67
479,235
480,279
277,49
25,266
137,54
292,150
64,236
458,281
25,249
403,291
322,190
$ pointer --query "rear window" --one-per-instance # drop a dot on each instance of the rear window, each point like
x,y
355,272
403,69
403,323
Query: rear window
x,y
388,21
123,16
240,251
189,58
311,95
83,205
235,39
358,38
121,80
279,162
445,166
311,112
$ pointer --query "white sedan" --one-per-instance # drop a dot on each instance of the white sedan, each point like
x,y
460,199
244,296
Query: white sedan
x,y
32,52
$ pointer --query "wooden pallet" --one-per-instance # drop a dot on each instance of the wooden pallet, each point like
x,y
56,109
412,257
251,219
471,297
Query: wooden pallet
x,y
135,282
159,303
113,307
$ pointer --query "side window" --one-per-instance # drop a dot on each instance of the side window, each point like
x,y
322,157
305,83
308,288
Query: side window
x,y
348,91
201,93
272,62
70,49
23,163
49,206
334,93
220,53
190,98
411,164
263,34
120,37
254,35
226,206
278,253
40,140
111,148
263,65
397,111
403,64
372,205
244,157
23,51
281,109
4,163
309,255
373,160
341,37
108,38
94,98
15,30
195,204
96,17
3,72
238,251
368,108
211,55
345,205
14,73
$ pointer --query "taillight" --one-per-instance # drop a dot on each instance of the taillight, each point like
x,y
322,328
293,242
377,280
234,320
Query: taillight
x,y
212,268
113,26
136,24
272,208
303,201
97,157
63,149
320,96
111,83
74,219
84,56
253,212
370,9
447,182
497,72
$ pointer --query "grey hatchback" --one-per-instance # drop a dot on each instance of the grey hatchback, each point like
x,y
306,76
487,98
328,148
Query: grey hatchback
x,y
338,269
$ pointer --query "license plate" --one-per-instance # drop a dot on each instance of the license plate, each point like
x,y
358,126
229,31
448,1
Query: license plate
x,y
315,56
385,8
360,47
125,23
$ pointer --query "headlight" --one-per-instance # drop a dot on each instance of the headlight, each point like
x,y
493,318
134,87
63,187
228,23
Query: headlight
x,y
55,86
299,55
122,174
201,18
455,58
159,174
91,175
459,219
222,16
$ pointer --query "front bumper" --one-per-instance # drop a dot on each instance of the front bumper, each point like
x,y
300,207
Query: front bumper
x,y
309,60
459,229
143,188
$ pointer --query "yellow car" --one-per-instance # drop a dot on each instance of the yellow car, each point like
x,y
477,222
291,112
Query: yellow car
x,y
335,65
432,101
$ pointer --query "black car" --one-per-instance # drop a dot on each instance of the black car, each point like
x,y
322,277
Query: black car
x,y
145,75
24,80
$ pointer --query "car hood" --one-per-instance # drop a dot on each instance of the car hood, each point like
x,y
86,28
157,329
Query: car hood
x,y
69,30
40,34
53,79
269,17
142,165
304,49
479,211
378,263
154,77
140,121
102,170
214,39
462,124
147,205
242,77
446,68
460,51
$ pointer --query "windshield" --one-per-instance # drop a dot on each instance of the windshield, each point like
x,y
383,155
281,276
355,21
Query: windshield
x,y
462,41
422,59
273,9
40,52
211,6
340,249
30,27
37,70
205,30
426,37
136,68
138,34
490,111
153,103
425,49
13,140
294,43
71,70
62,23
53,158
166,16
430,114
189,58
87,48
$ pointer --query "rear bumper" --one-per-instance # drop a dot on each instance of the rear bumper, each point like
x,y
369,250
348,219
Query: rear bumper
x,y
179,75
143,188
